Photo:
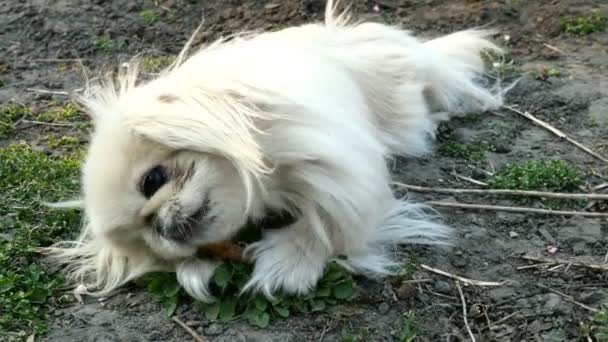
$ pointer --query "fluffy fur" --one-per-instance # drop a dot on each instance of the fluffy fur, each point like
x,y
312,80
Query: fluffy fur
x,y
301,120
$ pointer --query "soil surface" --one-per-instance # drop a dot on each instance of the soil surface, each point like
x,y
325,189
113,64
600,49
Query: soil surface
x,y
41,41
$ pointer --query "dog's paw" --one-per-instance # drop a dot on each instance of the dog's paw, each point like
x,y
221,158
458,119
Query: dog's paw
x,y
286,262
195,276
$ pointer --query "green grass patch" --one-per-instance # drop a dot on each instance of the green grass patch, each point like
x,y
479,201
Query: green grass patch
x,y
155,64
584,25
105,44
337,286
65,141
9,116
474,151
597,328
63,113
500,65
411,328
28,178
149,17
554,175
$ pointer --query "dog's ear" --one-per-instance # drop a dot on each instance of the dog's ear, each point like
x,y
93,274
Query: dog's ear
x,y
220,125
223,125
101,99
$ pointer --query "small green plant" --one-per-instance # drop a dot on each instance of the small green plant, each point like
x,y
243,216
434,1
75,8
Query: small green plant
x,y
8,118
336,286
66,141
229,279
475,151
105,44
411,328
584,25
63,113
348,336
409,268
27,178
554,175
149,17
156,64
165,290
546,73
597,328
499,65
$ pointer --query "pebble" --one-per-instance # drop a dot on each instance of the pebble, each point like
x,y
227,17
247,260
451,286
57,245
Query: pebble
x,y
214,329
383,308
459,262
406,290
513,234
442,286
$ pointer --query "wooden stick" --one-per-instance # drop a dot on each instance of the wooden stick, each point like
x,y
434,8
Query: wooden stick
x,y
464,311
469,179
44,91
194,334
515,209
56,124
555,261
557,132
417,188
461,279
551,47
568,298
57,60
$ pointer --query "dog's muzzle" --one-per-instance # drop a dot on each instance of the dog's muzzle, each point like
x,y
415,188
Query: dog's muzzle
x,y
180,227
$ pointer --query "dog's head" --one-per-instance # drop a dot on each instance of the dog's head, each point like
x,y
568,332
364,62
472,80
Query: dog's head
x,y
173,169
166,172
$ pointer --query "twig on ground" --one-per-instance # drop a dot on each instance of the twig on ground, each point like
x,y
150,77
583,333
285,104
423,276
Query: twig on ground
x,y
557,132
504,319
194,334
568,298
416,281
464,311
515,209
417,188
461,279
535,266
551,47
325,328
555,261
56,124
57,60
44,91
469,179
600,187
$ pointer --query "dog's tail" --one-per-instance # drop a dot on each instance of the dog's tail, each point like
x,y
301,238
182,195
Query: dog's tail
x,y
403,223
452,68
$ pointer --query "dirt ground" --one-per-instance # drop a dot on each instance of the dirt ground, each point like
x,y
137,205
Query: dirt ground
x,y
40,41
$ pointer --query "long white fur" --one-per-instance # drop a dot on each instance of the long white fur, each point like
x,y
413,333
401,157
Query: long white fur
x,y
307,118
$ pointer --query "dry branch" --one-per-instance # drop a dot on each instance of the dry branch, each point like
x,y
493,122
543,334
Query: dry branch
x,y
546,194
515,209
194,334
557,132
464,311
568,298
461,279
556,261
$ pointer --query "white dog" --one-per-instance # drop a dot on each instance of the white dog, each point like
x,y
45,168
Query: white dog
x,y
298,122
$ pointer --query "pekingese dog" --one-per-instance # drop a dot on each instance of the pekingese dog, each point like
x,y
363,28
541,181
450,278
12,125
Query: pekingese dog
x,y
298,123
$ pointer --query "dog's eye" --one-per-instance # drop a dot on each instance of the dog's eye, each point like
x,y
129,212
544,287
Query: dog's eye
x,y
153,180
